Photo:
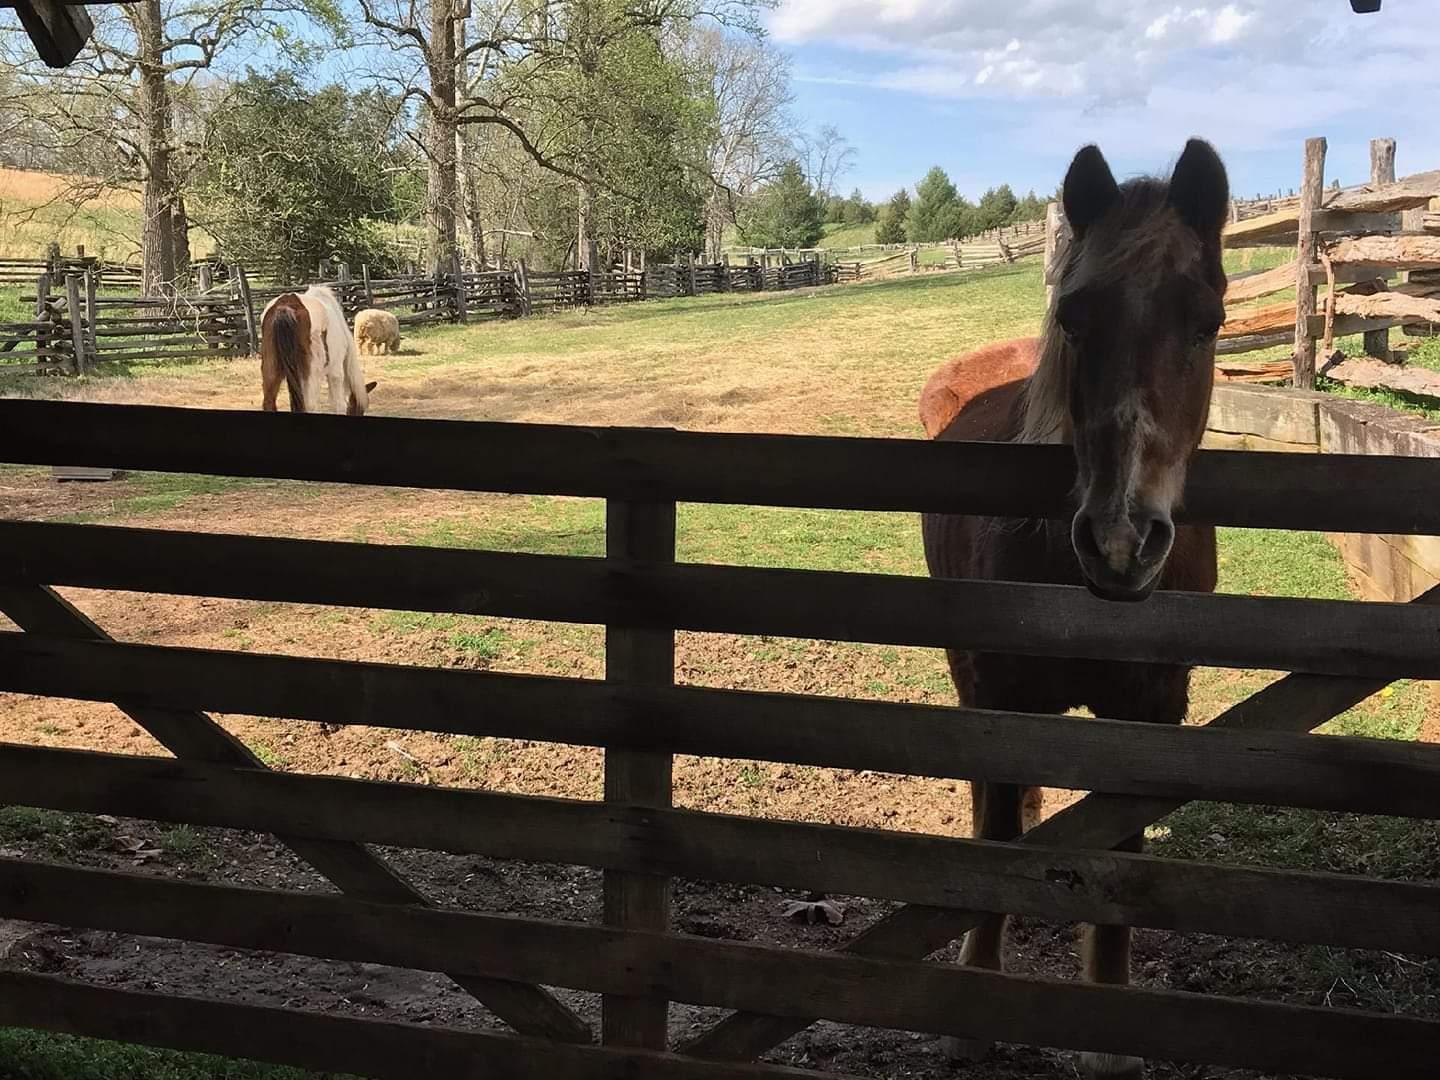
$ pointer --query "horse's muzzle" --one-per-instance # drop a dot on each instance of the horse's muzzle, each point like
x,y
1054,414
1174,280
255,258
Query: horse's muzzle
x,y
1122,558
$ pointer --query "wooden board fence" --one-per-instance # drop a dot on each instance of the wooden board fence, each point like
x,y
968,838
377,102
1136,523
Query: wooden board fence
x,y
1257,751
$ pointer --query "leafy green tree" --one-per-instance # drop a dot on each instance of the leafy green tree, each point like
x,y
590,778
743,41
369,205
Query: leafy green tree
x,y
857,210
892,218
786,213
937,212
1030,208
275,182
997,207
835,208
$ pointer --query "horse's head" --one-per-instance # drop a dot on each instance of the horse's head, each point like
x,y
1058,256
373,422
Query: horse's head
x,y
1131,353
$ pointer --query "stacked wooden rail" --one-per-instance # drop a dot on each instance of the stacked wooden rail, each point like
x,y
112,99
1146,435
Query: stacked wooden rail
x,y
1256,752
1353,243
25,271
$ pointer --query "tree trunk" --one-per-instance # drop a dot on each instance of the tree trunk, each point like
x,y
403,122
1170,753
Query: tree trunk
x,y
157,244
585,200
465,151
441,188
180,230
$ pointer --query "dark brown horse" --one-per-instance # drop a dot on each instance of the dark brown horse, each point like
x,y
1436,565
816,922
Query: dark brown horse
x,y
1123,373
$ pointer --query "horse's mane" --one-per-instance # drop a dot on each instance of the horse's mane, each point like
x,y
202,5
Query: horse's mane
x,y
1140,239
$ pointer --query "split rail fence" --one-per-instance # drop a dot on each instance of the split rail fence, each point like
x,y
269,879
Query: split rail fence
x,y
76,324
1335,653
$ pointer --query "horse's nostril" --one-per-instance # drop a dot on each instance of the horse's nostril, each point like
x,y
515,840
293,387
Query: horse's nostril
x,y
1156,533
1084,537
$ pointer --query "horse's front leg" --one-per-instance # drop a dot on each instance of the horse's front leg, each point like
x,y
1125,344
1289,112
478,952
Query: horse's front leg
x,y
1106,950
1163,698
1000,813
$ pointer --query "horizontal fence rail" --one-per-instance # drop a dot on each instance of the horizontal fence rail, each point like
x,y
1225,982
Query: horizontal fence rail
x,y
1280,633
848,989
1049,883
1102,755
376,1048
1287,491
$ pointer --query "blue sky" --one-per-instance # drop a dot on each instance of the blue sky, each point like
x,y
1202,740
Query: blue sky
x,y
1006,90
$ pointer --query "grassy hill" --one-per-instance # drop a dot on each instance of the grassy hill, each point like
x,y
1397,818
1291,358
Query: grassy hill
x,y
38,207
842,236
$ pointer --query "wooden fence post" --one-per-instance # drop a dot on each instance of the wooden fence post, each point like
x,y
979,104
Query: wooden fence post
x,y
592,257
690,272
91,288
522,286
914,260
43,342
77,321
643,533
1382,171
1057,240
365,281
247,305
462,301
204,277
1312,188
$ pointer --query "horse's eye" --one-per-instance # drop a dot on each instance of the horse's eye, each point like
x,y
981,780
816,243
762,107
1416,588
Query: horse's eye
x,y
1206,333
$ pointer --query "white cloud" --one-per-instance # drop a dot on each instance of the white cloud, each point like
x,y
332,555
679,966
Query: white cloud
x,y
1249,73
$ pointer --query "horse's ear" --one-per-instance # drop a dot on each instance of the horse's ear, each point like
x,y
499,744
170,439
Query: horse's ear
x,y
1199,189
371,386
1090,189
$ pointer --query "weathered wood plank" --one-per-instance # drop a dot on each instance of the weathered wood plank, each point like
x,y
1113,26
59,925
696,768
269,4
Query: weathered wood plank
x,y
1262,230
1254,285
350,867
1366,371
846,988
648,464
1251,342
1280,633
323,1041
57,30
1382,174
1295,703
638,658
1388,305
1271,319
1311,191
1405,251
1058,751
1289,416
1387,196
1050,883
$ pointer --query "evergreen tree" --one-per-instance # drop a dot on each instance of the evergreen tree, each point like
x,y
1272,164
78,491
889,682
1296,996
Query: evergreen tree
x,y
997,207
937,212
892,219
787,213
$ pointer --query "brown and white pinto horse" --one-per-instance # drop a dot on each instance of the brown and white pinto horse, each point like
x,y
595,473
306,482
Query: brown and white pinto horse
x,y
305,341
1123,373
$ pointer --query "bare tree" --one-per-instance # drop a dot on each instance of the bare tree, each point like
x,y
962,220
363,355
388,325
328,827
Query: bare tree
x,y
828,156
748,83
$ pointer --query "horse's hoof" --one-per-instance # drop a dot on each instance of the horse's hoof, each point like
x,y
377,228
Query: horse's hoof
x,y
958,1049
1112,1067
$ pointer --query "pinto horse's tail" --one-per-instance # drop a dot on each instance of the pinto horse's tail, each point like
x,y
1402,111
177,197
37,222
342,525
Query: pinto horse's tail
x,y
285,346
